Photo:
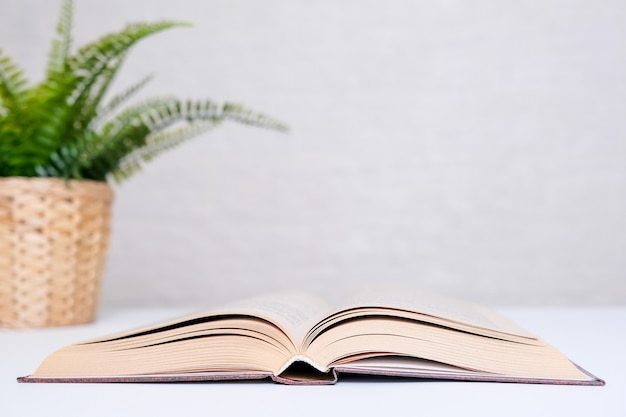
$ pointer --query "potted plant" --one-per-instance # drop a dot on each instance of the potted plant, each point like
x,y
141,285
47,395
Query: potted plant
x,y
59,145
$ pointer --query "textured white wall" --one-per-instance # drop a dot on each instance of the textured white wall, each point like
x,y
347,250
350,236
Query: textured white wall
x,y
472,148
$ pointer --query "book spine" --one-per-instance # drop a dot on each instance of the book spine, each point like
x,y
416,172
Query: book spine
x,y
304,359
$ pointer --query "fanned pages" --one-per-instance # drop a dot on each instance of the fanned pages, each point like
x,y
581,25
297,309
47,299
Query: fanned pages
x,y
295,338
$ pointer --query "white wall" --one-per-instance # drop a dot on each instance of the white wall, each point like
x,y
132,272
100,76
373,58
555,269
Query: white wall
x,y
472,148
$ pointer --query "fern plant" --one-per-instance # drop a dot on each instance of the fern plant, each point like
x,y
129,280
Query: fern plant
x,y
60,127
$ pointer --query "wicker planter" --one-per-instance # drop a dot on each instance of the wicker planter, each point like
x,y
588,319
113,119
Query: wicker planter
x,y
53,243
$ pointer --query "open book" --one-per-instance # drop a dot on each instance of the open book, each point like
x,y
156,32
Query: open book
x,y
295,338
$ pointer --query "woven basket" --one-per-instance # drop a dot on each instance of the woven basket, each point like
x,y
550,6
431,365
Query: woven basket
x,y
53,243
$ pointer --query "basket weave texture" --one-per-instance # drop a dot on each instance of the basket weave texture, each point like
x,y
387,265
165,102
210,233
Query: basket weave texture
x,y
54,238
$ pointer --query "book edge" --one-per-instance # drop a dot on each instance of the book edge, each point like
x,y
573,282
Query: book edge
x,y
201,377
335,376
592,381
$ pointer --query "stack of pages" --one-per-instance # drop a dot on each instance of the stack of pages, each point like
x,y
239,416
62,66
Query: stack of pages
x,y
296,338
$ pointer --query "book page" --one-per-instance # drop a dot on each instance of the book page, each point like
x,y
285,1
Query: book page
x,y
295,311
435,305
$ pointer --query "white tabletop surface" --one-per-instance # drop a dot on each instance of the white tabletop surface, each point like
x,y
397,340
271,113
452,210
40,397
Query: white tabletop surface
x,y
595,338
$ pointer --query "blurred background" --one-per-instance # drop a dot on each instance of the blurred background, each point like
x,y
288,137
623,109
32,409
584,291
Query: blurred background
x,y
476,149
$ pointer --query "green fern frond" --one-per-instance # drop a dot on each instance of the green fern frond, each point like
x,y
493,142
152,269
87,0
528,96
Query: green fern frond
x,y
102,152
12,82
61,164
17,155
75,95
60,51
171,123
246,116
95,65
99,53
120,98
131,114
132,129
59,127
47,102
158,143
89,107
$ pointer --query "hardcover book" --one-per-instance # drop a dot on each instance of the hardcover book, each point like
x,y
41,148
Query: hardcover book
x,y
295,338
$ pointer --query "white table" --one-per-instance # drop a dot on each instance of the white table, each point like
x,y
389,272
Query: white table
x,y
595,338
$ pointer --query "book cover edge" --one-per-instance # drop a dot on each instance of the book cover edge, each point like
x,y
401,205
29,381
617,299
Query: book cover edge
x,y
334,377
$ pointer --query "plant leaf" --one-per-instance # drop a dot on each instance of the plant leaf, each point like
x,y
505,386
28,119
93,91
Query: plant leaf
x,y
60,128
143,132
68,100
117,100
12,82
244,115
158,143
60,50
